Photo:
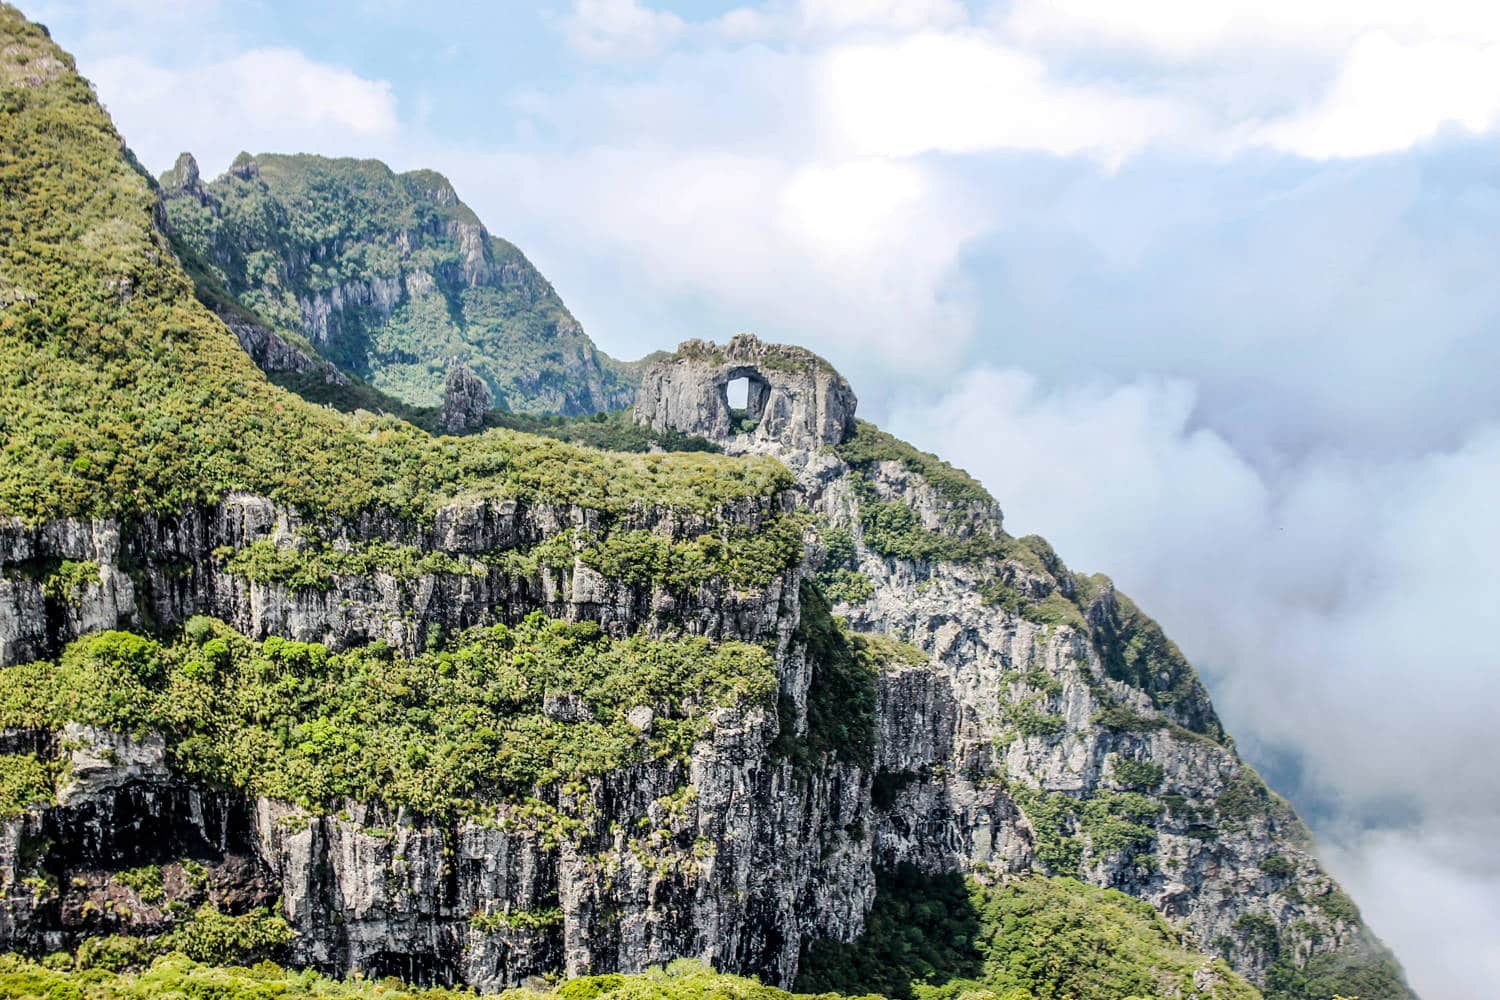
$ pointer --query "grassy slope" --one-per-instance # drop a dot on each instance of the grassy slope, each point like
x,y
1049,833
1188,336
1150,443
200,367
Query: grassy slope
x,y
125,394
940,938
181,977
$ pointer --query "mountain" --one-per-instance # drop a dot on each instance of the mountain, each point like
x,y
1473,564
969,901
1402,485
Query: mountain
x,y
283,683
389,277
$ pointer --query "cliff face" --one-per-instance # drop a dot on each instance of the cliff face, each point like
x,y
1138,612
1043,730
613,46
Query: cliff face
x,y
388,276
1051,728
1054,728
737,855
735,858
1039,721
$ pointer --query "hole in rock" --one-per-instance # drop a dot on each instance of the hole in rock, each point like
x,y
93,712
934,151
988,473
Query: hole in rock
x,y
745,394
738,393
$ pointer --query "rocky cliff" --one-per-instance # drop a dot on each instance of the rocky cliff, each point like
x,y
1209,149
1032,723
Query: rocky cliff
x,y
482,708
390,277
1045,725
1053,727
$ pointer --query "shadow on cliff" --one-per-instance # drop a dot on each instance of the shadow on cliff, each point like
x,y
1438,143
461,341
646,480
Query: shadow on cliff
x,y
922,929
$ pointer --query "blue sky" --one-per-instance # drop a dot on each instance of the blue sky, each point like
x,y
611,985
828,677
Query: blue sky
x,y
1204,290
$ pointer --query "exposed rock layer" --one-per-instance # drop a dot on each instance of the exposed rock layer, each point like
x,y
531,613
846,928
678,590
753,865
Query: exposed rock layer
x,y
1021,745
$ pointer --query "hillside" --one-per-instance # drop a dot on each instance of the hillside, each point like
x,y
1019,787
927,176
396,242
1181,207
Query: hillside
x,y
389,277
282,683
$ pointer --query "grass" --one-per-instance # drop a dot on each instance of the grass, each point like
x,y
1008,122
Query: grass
x,y
936,937
125,395
456,730
177,975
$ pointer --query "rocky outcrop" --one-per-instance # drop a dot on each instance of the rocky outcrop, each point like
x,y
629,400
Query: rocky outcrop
x,y
165,568
795,401
274,354
466,399
184,177
734,859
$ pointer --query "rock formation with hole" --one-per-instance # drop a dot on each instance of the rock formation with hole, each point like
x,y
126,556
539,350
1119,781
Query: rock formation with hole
x,y
796,401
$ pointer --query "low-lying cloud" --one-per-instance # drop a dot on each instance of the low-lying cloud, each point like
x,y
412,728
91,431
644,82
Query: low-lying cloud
x,y
1342,608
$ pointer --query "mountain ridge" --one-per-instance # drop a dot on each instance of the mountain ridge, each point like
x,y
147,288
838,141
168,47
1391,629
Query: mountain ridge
x,y
181,533
390,277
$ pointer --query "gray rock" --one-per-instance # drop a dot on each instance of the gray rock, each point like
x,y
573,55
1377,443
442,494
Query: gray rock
x,y
796,401
466,399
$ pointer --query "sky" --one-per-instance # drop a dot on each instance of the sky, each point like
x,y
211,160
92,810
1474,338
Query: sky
x,y
1202,290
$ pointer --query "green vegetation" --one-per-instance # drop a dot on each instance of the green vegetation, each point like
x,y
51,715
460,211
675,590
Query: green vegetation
x,y
419,281
1135,650
1053,819
177,975
1101,825
69,580
517,920
742,556
315,567
1028,720
220,939
1337,905
125,395
453,730
1126,720
1141,775
1370,973
613,431
841,696
205,935
935,938
145,882
25,780
839,576
892,529
922,929
846,586
1277,866
868,446
1259,931
1244,798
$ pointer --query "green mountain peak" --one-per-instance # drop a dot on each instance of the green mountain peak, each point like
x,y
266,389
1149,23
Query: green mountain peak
x,y
390,277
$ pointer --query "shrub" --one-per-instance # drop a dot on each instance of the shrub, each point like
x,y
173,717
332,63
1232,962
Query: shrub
x,y
437,733
217,939
145,882
24,781
934,937
1277,866
1142,775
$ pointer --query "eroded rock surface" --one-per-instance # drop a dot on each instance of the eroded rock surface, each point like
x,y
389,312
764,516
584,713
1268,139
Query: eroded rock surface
x,y
1052,728
795,402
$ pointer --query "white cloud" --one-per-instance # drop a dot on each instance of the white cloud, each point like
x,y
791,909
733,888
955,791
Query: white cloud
x,y
1390,95
620,29
1449,951
1345,608
819,21
1371,76
893,15
262,99
854,254
1200,28
966,93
